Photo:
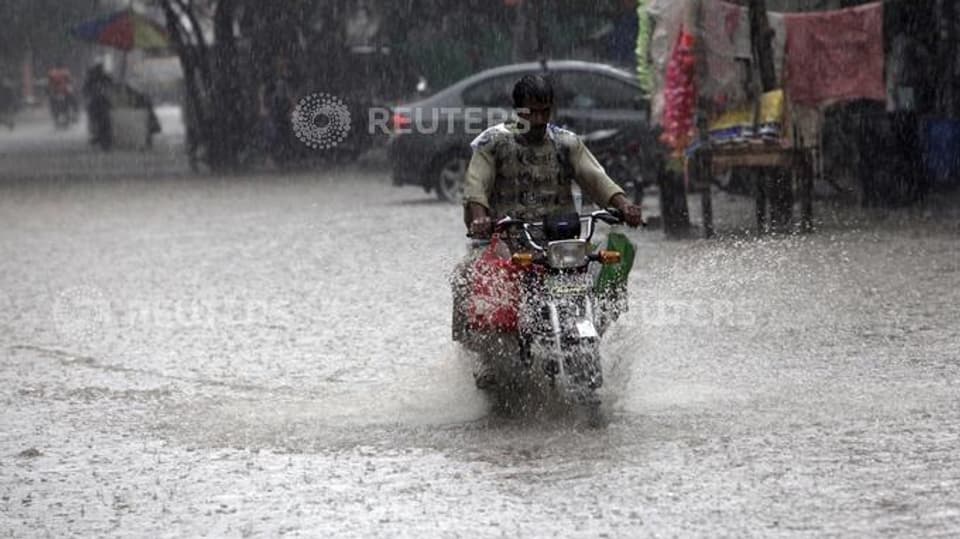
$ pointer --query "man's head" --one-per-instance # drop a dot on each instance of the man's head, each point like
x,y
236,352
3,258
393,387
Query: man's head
x,y
533,100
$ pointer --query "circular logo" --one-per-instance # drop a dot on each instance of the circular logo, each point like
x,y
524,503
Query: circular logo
x,y
321,121
80,313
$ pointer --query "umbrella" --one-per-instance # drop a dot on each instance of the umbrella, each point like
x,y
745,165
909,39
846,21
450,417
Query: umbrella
x,y
124,30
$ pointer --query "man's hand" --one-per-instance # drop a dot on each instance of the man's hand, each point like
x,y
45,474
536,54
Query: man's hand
x,y
481,228
477,219
632,215
631,212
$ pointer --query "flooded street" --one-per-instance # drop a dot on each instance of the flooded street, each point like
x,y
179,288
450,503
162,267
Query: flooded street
x,y
265,355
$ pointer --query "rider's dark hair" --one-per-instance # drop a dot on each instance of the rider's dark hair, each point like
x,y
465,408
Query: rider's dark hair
x,y
533,87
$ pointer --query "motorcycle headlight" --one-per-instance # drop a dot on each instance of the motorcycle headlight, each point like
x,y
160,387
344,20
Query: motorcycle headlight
x,y
567,254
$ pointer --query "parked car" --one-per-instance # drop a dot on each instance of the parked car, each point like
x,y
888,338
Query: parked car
x,y
430,143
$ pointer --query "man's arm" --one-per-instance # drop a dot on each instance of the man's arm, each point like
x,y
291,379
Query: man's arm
x,y
599,187
477,188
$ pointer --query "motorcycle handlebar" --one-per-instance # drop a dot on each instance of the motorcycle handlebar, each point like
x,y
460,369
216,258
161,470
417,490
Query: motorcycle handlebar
x,y
611,216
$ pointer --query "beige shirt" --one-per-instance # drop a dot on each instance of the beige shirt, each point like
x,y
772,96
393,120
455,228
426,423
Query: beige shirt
x,y
528,182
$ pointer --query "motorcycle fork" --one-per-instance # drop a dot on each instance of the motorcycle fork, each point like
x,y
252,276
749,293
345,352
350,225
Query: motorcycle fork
x,y
555,309
555,366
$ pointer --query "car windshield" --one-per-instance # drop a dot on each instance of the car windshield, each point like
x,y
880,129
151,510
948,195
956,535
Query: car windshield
x,y
596,91
493,92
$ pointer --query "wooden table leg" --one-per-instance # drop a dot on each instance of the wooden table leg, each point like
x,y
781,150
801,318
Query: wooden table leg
x,y
706,207
704,175
806,192
760,196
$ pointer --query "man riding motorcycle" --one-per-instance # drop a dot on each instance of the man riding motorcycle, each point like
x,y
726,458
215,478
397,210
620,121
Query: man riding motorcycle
x,y
63,101
525,170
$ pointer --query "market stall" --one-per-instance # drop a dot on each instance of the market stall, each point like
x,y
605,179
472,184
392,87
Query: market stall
x,y
739,88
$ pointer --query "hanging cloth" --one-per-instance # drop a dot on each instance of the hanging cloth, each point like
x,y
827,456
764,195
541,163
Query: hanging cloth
x,y
835,55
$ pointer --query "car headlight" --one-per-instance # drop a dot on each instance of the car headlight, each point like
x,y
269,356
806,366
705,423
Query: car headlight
x,y
567,254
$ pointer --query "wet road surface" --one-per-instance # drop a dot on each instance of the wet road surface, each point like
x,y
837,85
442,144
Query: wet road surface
x,y
267,355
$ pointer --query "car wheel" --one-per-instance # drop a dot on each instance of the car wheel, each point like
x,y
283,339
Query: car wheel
x,y
450,174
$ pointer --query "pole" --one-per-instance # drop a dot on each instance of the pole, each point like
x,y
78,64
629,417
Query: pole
x,y
947,99
123,60
780,195
27,77
541,32
761,37
519,32
702,172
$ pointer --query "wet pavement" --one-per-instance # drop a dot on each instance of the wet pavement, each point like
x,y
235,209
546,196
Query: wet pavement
x,y
270,354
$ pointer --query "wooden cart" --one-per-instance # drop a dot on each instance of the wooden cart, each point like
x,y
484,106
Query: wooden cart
x,y
796,163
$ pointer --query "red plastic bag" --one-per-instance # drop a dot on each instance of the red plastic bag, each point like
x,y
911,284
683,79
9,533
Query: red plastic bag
x,y
494,292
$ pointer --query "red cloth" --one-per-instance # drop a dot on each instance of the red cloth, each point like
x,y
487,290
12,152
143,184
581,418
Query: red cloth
x,y
835,55
495,292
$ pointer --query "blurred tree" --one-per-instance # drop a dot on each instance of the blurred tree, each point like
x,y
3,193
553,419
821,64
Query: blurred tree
x,y
41,27
228,49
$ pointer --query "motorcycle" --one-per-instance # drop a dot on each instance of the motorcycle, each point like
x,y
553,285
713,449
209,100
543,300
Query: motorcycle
x,y
63,109
627,155
544,299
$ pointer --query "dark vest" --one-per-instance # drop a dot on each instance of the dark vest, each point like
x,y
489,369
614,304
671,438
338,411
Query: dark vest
x,y
532,181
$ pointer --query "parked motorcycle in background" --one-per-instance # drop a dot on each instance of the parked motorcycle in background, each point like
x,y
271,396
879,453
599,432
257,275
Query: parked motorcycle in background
x,y
63,110
63,101
628,155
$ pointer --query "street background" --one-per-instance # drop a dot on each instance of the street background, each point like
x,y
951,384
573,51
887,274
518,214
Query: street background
x,y
266,354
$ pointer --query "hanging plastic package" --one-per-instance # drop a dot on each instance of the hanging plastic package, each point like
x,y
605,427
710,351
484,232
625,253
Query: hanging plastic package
x,y
613,277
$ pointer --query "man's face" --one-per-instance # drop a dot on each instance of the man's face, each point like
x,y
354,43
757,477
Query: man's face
x,y
537,115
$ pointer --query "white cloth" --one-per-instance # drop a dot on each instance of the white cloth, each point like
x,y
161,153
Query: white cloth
x,y
729,56
727,75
